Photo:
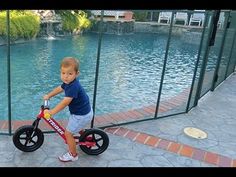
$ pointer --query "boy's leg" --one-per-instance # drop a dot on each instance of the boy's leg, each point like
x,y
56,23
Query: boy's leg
x,y
77,123
71,143
72,154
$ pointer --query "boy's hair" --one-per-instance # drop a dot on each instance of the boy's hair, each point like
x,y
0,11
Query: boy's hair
x,y
70,61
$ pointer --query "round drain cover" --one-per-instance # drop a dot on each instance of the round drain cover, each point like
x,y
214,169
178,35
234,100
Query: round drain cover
x,y
195,133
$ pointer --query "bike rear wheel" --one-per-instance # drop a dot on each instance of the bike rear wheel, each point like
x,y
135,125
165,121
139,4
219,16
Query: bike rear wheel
x,y
27,139
100,138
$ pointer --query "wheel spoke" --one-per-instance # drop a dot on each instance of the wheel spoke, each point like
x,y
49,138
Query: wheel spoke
x,y
28,137
99,139
98,145
22,138
28,133
32,141
93,135
26,142
35,134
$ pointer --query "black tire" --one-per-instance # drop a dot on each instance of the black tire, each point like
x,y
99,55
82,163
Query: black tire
x,y
98,136
23,141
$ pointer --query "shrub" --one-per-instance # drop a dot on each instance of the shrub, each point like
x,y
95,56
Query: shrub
x,y
23,24
74,20
140,16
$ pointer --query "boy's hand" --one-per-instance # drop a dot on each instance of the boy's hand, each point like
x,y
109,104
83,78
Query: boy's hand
x,y
46,97
47,113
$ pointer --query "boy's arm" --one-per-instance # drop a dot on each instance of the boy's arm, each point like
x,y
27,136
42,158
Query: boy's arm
x,y
65,102
54,92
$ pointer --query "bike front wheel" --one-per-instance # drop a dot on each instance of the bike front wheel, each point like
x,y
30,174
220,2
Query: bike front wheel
x,y
27,139
99,137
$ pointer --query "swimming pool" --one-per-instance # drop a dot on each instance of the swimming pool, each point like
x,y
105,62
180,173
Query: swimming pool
x,y
129,73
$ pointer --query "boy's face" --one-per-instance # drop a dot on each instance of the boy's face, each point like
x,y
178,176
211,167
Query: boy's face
x,y
68,74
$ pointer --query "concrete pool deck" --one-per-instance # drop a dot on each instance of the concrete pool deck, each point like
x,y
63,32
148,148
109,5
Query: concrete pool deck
x,y
154,143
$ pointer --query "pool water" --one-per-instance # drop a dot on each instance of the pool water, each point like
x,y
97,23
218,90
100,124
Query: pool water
x,y
129,73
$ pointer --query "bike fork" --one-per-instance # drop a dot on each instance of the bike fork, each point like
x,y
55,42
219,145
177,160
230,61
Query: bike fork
x,y
35,124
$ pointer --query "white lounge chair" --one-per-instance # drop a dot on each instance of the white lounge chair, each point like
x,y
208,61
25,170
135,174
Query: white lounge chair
x,y
197,18
181,16
164,17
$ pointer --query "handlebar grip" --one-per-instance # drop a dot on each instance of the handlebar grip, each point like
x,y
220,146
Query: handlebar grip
x,y
46,103
47,115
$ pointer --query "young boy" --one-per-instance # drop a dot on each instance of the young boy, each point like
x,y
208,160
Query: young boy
x,y
78,101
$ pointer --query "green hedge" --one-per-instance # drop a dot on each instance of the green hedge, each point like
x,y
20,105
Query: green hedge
x,y
26,24
23,24
140,16
74,20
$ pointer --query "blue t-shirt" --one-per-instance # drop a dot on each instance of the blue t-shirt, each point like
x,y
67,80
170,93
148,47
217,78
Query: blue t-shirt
x,y
80,103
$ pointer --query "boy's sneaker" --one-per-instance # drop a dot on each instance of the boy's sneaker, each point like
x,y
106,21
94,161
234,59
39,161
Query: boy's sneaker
x,y
68,157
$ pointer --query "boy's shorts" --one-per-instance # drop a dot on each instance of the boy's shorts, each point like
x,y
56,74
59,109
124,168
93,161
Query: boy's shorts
x,y
78,122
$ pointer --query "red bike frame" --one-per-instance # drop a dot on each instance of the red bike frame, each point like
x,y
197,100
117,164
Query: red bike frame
x,y
54,124
59,129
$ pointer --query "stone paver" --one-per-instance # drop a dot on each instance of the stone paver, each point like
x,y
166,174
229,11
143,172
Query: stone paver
x,y
153,143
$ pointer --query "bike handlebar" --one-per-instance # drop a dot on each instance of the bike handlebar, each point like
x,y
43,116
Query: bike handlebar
x,y
46,104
